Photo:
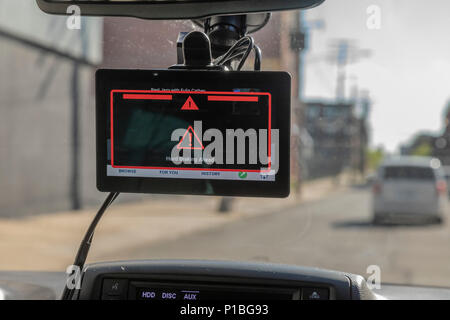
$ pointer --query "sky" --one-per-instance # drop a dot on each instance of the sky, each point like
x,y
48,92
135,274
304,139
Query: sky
x,y
408,72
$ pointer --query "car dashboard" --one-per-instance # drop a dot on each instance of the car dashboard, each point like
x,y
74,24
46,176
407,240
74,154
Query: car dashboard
x,y
214,280
199,280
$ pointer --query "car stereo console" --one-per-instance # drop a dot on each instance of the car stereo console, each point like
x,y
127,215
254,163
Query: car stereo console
x,y
191,280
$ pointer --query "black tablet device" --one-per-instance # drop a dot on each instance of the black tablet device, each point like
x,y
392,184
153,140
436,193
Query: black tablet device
x,y
193,132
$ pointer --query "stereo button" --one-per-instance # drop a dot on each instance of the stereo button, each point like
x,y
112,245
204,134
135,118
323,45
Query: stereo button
x,y
315,294
115,287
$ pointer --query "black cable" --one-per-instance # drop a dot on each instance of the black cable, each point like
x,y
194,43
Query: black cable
x,y
237,55
220,60
247,53
85,245
258,58
241,50
240,54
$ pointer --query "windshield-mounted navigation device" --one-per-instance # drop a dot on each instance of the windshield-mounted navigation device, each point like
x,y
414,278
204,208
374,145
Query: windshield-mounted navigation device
x,y
193,132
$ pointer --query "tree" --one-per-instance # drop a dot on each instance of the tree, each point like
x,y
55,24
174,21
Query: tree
x,y
423,149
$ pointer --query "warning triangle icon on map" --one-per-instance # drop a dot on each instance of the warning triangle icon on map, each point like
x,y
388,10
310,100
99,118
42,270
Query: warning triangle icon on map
x,y
190,140
189,105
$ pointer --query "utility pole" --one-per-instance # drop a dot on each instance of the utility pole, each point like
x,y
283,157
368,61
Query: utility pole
x,y
306,27
304,33
341,61
343,53
292,57
75,185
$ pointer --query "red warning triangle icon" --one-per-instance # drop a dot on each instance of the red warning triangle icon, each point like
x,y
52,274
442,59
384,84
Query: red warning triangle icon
x,y
190,140
189,104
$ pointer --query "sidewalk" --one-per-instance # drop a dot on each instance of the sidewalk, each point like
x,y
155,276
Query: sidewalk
x,y
49,242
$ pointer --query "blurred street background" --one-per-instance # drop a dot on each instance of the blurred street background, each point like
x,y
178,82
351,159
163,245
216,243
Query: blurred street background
x,y
47,123
343,126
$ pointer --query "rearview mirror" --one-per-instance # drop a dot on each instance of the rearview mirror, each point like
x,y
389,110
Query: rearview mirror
x,y
174,9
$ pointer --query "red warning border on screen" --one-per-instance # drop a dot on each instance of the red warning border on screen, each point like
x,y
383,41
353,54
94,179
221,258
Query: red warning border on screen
x,y
212,96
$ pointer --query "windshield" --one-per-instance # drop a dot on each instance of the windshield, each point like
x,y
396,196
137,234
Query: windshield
x,y
369,81
416,173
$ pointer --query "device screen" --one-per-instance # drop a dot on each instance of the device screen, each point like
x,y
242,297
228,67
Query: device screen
x,y
191,134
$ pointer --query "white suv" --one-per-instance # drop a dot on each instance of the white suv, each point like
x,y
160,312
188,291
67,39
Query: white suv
x,y
408,189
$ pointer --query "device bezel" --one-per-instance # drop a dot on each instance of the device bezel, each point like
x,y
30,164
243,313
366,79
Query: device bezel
x,y
278,83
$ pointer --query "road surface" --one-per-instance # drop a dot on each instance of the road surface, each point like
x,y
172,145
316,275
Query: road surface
x,y
333,233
